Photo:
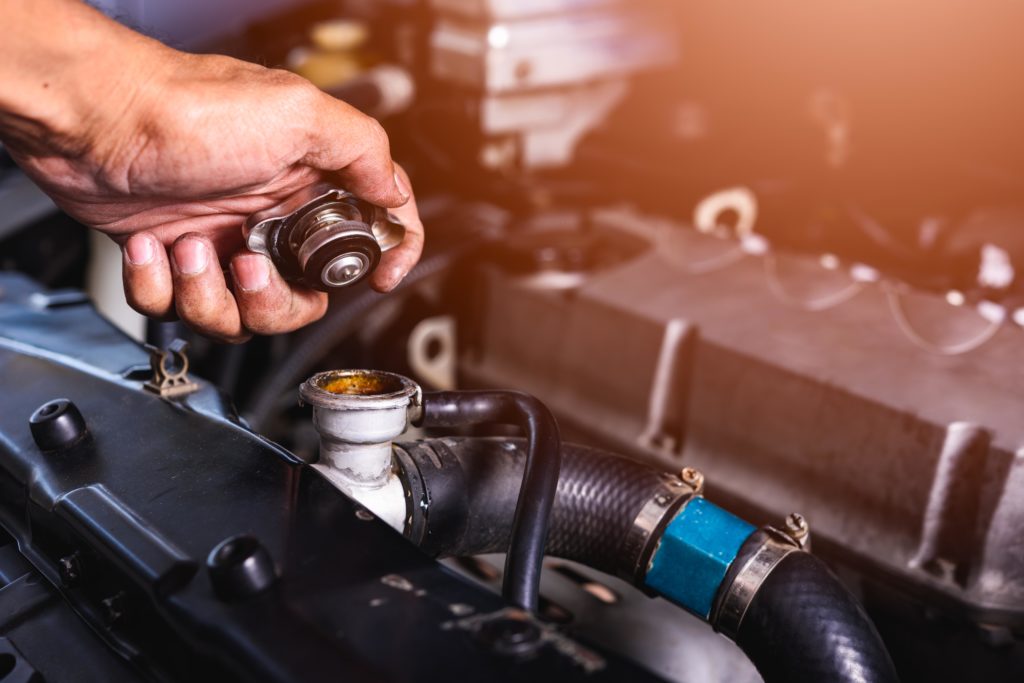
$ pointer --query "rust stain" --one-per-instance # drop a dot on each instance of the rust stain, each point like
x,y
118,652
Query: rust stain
x,y
359,384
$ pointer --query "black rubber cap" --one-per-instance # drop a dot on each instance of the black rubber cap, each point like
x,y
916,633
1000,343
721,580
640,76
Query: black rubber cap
x,y
240,567
57,424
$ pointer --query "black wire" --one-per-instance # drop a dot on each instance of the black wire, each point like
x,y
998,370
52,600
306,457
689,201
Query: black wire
x,y
540,480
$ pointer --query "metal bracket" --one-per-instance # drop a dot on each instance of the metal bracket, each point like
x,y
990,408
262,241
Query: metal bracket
x,y
170,370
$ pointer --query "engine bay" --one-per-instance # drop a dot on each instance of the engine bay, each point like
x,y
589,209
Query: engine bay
x,y
717,333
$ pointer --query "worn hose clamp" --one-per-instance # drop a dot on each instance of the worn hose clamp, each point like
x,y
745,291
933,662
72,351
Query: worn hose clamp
x,y
643,536
324,237
733,604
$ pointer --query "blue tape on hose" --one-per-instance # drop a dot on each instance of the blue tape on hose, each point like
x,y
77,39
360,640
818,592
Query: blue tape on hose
x,y
695,552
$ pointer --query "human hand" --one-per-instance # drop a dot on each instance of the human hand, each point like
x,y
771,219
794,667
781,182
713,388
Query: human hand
x,y
181,150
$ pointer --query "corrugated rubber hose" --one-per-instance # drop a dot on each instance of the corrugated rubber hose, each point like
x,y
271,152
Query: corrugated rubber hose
x,y
472,485
803,626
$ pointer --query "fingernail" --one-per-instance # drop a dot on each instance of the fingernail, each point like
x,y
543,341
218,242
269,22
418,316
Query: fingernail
x,y
395,277
400,186
190,256
139,249
252,272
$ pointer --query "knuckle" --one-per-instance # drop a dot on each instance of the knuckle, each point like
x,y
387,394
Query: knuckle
x,y
314,311
378,137
377,188
285,313
148,299
301,95
262,324
320,310
147,306
285,78
262,317
210,318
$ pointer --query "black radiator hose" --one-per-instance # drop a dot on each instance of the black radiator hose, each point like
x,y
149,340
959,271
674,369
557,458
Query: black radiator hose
x,y
471,486
536,485
803,626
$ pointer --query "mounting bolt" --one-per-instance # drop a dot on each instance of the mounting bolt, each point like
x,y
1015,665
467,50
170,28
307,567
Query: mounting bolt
x,y
57,424
796,528
70,568
693,478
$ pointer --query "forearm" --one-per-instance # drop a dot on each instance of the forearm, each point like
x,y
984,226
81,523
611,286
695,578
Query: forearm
x,y
62,65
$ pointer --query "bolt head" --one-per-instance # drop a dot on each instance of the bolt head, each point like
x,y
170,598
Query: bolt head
x,y
796,523
693,478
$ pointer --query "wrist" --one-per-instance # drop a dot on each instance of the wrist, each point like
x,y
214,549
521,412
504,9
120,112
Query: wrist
x,y
69,73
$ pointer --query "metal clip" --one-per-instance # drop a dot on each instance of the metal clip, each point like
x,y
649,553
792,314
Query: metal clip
x,y
170,370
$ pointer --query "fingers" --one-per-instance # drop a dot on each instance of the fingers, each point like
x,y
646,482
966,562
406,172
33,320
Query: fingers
x,y
268,304
354,146
396,264
191,283
147,276
201,294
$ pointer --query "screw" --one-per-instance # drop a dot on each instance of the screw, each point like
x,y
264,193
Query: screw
x,y
693,478
798,529
796,524
70,568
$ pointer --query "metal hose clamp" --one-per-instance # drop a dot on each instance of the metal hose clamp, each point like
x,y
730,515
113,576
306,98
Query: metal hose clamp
x,y
643,536
733,604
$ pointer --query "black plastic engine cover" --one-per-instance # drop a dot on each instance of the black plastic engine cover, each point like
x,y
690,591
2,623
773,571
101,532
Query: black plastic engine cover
x,y
122,521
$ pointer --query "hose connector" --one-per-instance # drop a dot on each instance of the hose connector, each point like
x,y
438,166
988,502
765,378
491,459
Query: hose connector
x,y
695,553
358,413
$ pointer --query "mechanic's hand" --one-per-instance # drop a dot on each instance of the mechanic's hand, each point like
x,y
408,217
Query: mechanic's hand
x,y
183,148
